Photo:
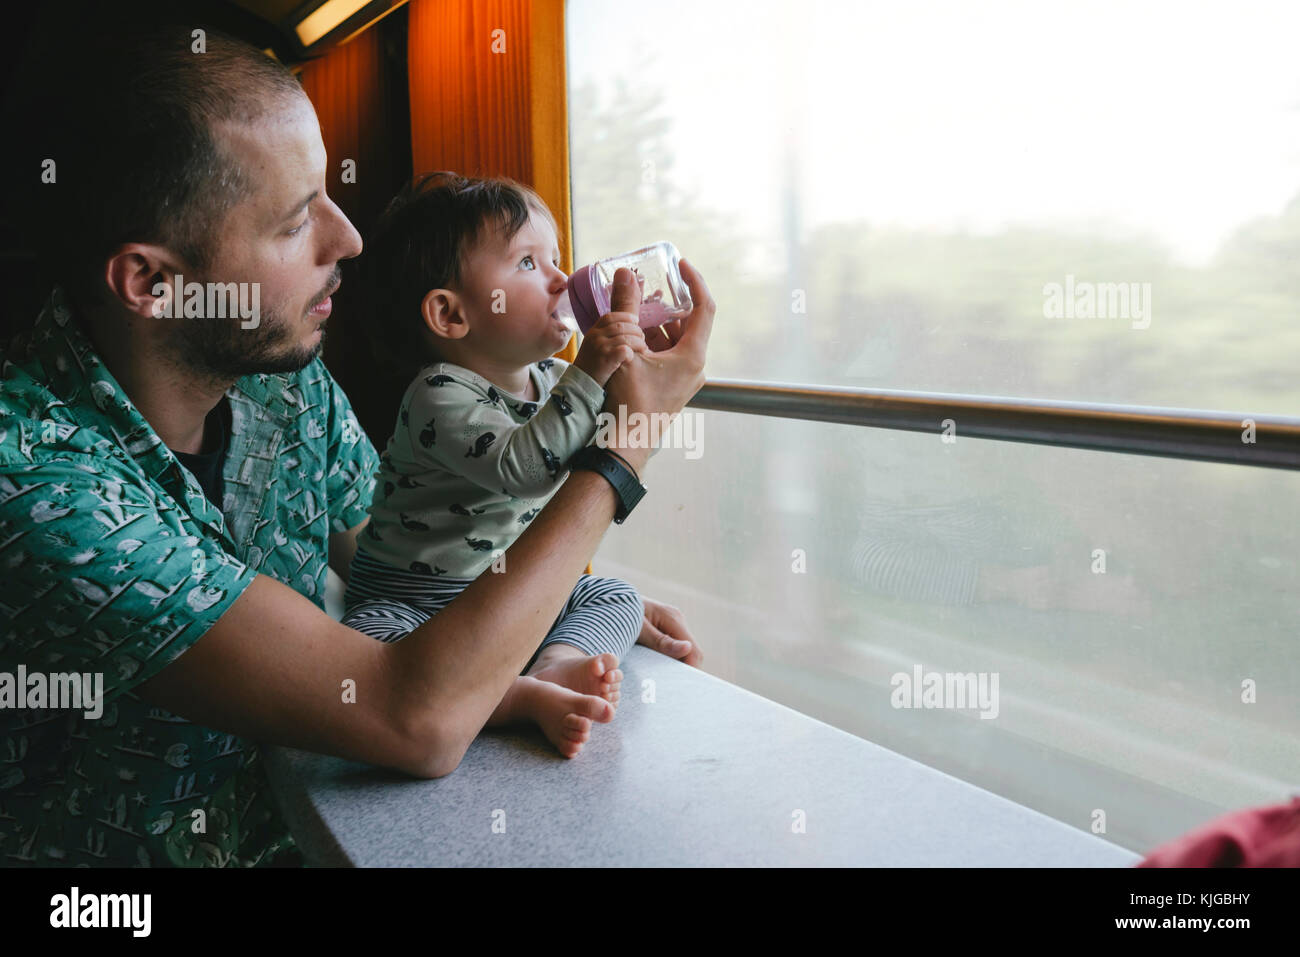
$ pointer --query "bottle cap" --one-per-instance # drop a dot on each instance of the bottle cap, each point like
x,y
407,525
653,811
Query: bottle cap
x,y
582,299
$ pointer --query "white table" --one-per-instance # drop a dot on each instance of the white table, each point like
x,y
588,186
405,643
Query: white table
x,y
706,774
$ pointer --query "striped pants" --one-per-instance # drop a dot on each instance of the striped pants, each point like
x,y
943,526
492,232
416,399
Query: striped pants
x,y
388,603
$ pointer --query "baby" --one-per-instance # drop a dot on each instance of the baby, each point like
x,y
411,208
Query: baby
x,y
466,284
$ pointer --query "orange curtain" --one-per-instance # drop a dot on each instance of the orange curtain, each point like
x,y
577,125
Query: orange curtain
x,y
362,120
489,98
346,88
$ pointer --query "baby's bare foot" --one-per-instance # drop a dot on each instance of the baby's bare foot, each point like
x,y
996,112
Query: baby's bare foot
x,y
587,674
564,715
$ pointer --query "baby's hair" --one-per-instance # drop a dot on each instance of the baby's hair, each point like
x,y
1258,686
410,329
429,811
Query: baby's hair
x,y
422,241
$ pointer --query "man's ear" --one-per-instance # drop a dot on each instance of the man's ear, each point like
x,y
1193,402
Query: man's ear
x,y
444,314
143,278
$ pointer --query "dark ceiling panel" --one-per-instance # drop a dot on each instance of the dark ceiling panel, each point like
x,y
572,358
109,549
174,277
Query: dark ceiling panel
x,y
273,11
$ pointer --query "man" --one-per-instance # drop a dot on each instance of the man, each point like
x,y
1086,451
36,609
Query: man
x,y
190,596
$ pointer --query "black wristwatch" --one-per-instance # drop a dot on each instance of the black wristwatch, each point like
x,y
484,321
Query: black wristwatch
x,y
627,486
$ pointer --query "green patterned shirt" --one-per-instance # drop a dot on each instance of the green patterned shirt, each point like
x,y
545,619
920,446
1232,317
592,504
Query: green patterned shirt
x,y
113,562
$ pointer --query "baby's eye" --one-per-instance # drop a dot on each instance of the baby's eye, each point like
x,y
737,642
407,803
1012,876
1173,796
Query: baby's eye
x,y
529,260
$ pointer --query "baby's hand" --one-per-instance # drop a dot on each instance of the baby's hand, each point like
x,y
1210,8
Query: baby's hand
x,y
608,344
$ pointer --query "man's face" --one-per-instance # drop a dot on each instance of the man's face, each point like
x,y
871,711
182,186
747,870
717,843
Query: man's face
x,y
288,237
512,290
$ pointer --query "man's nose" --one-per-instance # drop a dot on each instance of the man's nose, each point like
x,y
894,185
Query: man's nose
x,y
345,240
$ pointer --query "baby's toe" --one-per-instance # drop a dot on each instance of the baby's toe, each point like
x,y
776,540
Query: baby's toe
x,y
594,708
576,726
602,665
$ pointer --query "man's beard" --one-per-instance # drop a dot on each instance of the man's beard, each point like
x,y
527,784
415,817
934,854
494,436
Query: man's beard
x,y
221,349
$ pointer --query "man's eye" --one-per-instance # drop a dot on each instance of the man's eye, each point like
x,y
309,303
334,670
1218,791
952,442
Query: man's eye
x,y
300,227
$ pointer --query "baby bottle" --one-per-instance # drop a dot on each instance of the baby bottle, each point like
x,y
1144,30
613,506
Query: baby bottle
x,y
664,296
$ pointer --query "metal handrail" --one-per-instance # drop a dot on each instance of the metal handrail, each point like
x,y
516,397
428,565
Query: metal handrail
x,y
1138,430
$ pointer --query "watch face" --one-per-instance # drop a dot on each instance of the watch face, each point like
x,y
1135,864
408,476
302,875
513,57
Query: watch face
x,y
630,492
634,492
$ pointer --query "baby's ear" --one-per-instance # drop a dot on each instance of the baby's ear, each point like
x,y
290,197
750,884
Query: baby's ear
x,y
443,314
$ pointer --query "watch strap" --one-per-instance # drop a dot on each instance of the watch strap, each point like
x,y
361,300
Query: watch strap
x,y
627,486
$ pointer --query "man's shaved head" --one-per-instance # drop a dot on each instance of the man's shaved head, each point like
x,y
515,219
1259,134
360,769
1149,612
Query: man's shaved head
x,y
133,124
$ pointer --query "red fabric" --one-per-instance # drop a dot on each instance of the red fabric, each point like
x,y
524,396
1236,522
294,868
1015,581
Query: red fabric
x,y
1256,837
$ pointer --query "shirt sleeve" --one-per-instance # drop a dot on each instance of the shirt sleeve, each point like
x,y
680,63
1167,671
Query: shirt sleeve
x,y
457,427
353,464
101,576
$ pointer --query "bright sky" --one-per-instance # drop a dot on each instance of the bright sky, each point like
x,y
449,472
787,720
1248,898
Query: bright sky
x,y
1178,119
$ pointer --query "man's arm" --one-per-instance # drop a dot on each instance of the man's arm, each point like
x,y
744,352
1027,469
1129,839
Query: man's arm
x,y
276,668
343,545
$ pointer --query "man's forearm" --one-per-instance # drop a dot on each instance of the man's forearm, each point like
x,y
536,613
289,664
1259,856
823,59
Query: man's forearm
x,y
453,670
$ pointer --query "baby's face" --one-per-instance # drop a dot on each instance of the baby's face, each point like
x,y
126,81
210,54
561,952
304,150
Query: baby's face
x,y
511,291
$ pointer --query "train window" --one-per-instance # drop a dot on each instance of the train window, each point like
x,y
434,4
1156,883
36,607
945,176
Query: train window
x,y
1097,202
1079,202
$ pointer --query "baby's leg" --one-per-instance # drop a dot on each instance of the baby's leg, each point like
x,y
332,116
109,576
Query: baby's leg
x,y
388,603
385,619
597,627
564,715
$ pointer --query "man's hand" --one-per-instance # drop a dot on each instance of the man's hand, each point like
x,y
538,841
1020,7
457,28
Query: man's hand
x,y
608,344
664,630
664,337
660,380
